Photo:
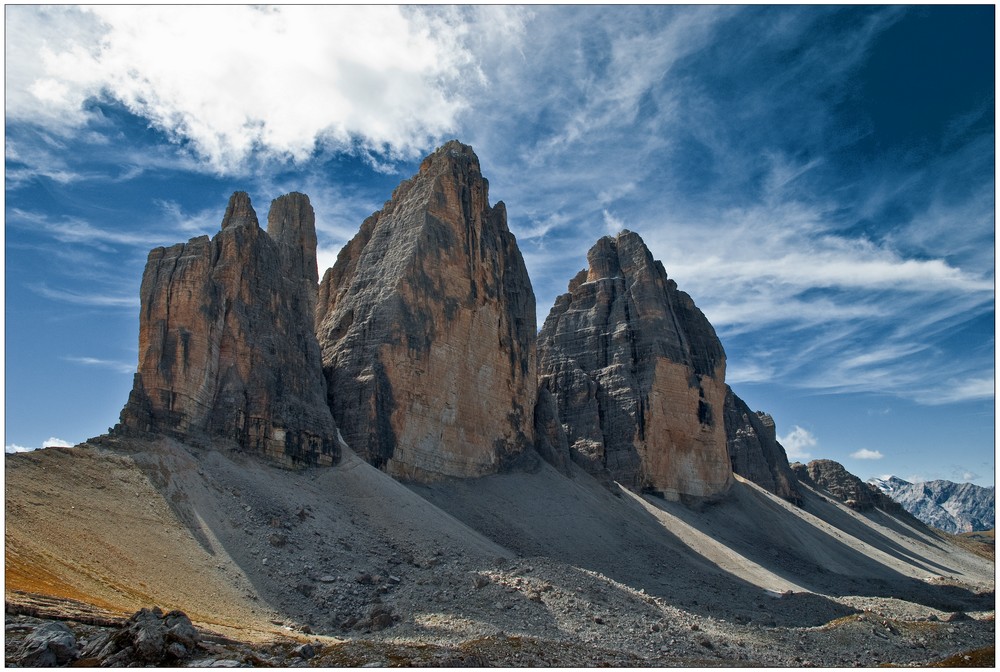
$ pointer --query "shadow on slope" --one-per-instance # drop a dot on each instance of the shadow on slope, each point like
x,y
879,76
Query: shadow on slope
x,y
827,548
578,522
726,559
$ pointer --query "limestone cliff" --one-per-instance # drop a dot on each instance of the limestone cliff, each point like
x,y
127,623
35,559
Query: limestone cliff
x,y
427,329
754,450
638,374
226,343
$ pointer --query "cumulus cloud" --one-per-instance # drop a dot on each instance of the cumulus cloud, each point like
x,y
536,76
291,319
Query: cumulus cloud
x,y
796,442
51,442
865,454
231,80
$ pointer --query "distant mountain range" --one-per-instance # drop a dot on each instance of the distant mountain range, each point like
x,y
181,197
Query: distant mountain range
x,y
948,506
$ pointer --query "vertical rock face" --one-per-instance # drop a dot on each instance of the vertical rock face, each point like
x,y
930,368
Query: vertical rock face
x,y
226,342
754,449
427,329
638,374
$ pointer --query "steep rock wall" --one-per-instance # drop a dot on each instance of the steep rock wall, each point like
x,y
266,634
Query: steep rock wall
x,y
754,450
427,329
226,343
638,374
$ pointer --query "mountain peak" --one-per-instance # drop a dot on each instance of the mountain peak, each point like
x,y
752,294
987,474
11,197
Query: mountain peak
x,y
427,325
638,375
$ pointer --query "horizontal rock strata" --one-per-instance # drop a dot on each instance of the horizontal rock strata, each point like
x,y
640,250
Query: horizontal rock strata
x,y
638,374
226,343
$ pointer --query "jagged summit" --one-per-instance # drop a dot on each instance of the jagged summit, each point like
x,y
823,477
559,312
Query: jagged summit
x,y
638,374
427,327
754,451
946,505
226,345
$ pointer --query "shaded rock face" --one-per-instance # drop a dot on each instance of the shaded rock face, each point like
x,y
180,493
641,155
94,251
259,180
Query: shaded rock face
x,y
843,485
754,451
226,342
427,329
638,375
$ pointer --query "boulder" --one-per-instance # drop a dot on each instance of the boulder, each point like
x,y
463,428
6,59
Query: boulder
x,y
149,637
638,375
49,645
427,329
226,342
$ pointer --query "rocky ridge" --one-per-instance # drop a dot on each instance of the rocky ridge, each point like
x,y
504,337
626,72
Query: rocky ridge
x,y
952,507
754,450
638,374
843,485
427,329
226,344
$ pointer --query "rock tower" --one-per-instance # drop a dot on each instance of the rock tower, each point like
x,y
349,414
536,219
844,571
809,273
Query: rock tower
x,y
227,349
638,374
427,329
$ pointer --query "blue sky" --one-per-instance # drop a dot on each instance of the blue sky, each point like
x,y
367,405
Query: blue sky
x,y
819,179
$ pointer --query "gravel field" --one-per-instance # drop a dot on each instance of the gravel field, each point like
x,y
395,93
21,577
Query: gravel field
x,y
537,568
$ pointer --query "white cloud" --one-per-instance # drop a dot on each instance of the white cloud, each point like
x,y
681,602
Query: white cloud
x,y
234,79
796,442
952,391
51,442
120,367
86,299
865,454
326,257
612,224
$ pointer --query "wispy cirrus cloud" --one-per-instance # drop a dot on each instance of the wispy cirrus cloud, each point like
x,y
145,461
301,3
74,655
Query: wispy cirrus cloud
x,y
86,298
114,365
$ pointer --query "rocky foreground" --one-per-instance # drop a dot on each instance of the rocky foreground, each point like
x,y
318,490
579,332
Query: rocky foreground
x,y
531,568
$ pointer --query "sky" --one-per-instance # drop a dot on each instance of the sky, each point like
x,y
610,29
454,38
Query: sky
x,y
820,180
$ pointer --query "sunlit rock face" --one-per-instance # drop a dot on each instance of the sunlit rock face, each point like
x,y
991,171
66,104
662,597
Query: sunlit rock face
x,y
638,374
227,352
427,329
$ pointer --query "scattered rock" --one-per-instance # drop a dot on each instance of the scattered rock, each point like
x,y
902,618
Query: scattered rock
x,y
305,651
148,637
